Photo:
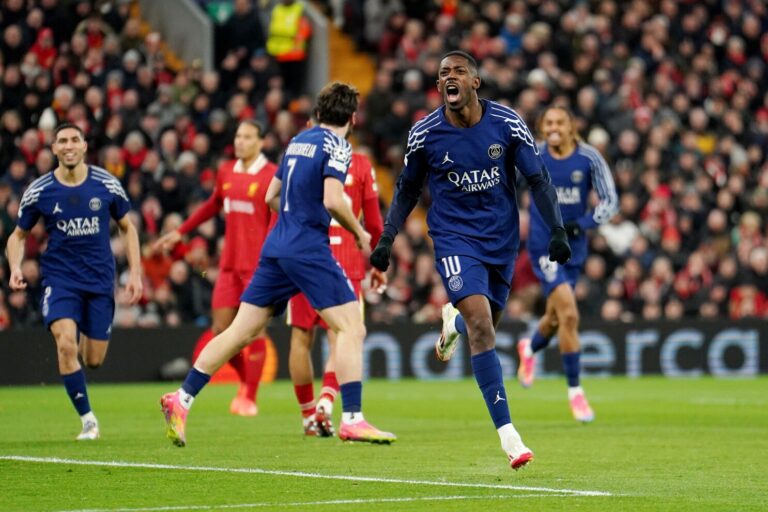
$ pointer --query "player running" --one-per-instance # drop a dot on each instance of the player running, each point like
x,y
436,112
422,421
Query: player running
x,y
296,257
576,169
76,202
241,187
362,195
468,151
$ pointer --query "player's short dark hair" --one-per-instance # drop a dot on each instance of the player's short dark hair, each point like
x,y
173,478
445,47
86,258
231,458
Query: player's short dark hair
x,y
256,124
64,126
470,59
336,103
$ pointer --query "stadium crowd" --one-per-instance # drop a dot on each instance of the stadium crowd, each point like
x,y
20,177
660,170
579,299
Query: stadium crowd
x,y
674,94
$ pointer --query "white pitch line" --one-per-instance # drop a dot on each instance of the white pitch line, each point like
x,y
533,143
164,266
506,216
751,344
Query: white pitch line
x,y
300,474
314,503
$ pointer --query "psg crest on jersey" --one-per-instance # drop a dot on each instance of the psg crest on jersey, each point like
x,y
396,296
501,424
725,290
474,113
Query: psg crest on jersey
x,y
495,151
455,283
577,176
95,204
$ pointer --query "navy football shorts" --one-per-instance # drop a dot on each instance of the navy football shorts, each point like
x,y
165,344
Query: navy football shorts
x,y
92,312
464,276
320,279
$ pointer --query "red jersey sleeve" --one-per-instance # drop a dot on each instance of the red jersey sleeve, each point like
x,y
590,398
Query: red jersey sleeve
x,y
205,211
374,223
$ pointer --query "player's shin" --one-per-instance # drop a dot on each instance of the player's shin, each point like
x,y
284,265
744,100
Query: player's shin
x,y
487,371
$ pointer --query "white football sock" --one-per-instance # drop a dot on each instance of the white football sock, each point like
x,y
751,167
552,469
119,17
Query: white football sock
x,y
350,418
573,391
185,399
89,416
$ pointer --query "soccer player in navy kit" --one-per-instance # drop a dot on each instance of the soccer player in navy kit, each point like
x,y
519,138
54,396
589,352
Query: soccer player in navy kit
x,y
307,190
576,169
468,151
76,202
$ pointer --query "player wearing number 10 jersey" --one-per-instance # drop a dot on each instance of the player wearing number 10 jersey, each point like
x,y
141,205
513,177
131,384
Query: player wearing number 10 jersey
x,y
469,151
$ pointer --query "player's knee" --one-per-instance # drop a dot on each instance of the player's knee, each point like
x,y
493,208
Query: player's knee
x,y
569,318
66,348
357,330
93,362
481,334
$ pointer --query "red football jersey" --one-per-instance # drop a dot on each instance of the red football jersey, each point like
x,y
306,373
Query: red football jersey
x,y
361,191
240,192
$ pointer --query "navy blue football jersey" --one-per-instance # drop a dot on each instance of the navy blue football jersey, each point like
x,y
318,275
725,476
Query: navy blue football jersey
x,y
574,177
302,224
471,177
79,255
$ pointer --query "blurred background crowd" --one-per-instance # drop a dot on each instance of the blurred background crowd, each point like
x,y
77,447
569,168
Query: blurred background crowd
x,y
673,93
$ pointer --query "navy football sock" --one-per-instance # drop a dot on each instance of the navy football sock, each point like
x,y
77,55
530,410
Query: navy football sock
x,y
539,342
74,383
487,370
195,382
352,396
571,367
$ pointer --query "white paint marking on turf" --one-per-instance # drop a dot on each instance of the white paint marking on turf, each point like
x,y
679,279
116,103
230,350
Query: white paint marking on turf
x,y
301,474
314,503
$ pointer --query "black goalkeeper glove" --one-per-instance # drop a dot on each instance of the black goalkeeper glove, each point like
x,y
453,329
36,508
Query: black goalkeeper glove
x,y
559,250
383,252
573,229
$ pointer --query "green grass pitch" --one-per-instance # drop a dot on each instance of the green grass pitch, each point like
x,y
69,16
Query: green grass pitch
x,y
657,444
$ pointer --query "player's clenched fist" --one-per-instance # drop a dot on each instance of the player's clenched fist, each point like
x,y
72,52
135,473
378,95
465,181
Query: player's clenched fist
x,y
382,253
559,249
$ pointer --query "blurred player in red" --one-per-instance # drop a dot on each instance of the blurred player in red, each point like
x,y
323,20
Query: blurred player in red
x,y
362,193
240,189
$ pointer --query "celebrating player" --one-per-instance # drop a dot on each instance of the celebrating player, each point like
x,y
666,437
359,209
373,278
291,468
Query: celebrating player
x,y
362,193
576,169
76,202
241,186
468,150
296,257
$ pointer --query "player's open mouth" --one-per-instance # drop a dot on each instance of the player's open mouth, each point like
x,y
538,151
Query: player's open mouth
x,y
452,93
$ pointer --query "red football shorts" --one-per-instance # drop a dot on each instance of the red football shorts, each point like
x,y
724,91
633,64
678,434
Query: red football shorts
x,y
302,315
229,287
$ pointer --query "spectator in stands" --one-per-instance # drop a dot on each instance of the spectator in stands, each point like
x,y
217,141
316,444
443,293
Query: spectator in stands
x,y
289,32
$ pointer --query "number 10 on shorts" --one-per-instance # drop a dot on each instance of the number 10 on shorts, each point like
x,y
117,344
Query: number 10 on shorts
x,y
451,265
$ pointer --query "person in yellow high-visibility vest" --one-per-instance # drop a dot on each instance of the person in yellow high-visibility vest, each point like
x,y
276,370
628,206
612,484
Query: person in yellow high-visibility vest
x,y
289,30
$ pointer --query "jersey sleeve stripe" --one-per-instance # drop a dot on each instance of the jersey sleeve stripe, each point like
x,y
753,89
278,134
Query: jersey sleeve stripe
x,y
603,183
111,183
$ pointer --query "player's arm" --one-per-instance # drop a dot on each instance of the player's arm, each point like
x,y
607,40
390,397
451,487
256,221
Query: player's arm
x,y
272,198
608,204
29,214
202,213
407,194
372,219
529,163
374,224
130,237
15,255
337,206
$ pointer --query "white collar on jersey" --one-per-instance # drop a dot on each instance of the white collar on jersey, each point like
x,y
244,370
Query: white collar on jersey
x,y
255,167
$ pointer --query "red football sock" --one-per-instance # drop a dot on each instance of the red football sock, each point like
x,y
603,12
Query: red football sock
x,y
202,341
238,363
255,355
330,386
305,394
